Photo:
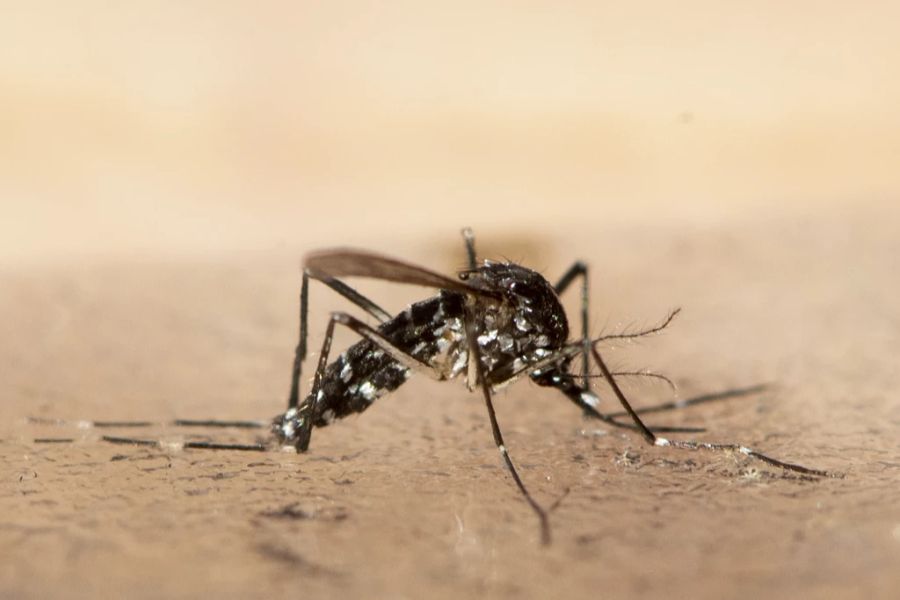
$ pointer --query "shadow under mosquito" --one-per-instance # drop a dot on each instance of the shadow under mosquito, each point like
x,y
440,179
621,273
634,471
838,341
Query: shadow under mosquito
x,y
672,405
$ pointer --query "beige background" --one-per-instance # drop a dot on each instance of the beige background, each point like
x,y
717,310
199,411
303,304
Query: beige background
x,y
163,166
205,127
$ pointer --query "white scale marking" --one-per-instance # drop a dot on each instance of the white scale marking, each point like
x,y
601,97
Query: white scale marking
x,y
486,337
368,391
522,323
590,399
461,359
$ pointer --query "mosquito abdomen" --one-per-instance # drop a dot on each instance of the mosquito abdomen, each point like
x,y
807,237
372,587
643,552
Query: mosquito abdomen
x,y
364,372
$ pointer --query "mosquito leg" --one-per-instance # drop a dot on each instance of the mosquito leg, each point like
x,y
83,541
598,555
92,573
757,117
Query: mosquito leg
x,y
295,426
353,296
469,238
580,269
344,290
376,337
547,373
223,424
300,353
193,445
689,444
612,418
475,357
142,424
588,402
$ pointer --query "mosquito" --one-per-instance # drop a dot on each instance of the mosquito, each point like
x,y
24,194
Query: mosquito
x,y
493,324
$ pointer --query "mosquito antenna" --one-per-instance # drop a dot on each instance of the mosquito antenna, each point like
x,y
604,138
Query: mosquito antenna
x,y
644,332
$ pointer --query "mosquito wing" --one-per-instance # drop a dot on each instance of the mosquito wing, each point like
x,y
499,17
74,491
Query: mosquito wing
x,y
343,262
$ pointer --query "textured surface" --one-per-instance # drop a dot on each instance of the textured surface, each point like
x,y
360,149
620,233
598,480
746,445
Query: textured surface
x,y
164,165
410,498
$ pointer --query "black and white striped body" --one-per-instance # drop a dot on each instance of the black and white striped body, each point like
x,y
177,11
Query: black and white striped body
x,y
431,331
523,325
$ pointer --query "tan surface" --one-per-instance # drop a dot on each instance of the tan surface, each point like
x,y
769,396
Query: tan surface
x,y
162,169
410,498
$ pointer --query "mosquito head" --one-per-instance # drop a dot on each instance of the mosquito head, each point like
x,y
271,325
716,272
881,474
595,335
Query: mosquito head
x,y
532,298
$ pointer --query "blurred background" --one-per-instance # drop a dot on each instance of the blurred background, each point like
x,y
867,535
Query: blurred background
x,y
194,128
165,164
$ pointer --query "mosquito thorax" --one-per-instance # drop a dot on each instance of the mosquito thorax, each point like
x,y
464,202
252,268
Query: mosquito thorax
x,y
526,324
